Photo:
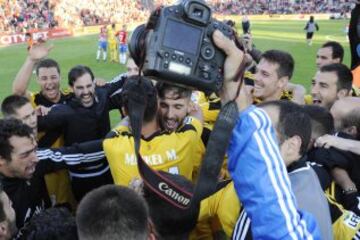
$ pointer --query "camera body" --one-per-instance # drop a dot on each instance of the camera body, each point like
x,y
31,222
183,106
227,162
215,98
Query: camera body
x,y
179,48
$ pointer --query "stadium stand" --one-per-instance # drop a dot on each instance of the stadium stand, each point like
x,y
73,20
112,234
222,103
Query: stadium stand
x,y
25,15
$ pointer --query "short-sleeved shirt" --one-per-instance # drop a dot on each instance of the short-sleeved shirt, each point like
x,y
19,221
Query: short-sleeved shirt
x,y
173,152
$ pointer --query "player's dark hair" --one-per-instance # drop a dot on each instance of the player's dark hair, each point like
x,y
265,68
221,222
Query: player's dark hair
x,y
8,128
53,223
47,63
77,72
12,103
343,73
293,121
179,92
283,59
171,222
284,107
112,212
336,48
142,87
296,124
322,121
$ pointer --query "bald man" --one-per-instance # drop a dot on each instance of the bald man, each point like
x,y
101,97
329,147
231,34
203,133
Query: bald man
x,y
346,113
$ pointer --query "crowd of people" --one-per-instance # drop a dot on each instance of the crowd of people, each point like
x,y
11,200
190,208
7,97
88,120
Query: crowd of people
x,y
291,170
98,12
280,7
24,15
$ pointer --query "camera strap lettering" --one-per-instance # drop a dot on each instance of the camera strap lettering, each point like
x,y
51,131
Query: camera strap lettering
x,y
207,182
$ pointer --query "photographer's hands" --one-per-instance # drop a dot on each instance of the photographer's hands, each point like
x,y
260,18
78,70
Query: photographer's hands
x,y
232,63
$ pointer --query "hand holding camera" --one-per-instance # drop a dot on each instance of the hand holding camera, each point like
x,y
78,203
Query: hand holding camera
x,y
177,46
234,58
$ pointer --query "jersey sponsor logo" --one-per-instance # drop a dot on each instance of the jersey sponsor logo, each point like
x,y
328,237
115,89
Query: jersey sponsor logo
x,y
153,159
163,187
352,220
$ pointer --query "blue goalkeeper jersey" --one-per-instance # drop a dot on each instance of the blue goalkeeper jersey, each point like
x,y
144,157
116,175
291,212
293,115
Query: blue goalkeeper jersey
x,y
262,183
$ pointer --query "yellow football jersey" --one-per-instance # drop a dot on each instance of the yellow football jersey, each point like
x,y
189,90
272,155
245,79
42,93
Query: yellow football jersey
x,y
210,107
173,152
111,35
225,205
57,183
308,99
345,223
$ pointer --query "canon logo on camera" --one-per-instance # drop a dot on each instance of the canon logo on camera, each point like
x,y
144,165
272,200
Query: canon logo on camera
x,y
163,187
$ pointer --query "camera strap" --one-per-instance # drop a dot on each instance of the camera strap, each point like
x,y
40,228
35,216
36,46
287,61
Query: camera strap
x,y
150,25
207,182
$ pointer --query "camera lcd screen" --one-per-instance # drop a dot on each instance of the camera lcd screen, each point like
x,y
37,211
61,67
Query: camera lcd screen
x,y
181,37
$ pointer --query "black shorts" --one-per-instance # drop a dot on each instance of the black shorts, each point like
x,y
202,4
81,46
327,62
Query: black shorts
x,y
309,35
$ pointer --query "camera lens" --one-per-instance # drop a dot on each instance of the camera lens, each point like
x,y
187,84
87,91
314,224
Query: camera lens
x,y
137,44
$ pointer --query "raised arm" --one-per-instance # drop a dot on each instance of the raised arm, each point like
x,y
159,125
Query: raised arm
x,y
255,164
65,157
21,83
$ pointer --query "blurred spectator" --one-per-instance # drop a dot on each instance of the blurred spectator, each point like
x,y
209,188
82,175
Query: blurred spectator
x,y
25,15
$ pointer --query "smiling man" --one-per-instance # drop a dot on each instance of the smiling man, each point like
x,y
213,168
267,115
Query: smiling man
x,y
273,73
174,105
331,82
47,76
84,117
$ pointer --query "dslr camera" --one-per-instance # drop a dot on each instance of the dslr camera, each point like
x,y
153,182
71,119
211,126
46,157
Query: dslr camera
x,y
176,46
